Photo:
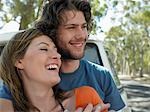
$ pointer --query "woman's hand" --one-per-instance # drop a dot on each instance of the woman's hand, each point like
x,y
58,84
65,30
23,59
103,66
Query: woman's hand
x,y
97,108
88,108
6,105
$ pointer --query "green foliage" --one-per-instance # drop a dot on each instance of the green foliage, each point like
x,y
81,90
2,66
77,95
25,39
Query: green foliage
x,y
142,17
130,42
26,10
116,32
1,5
98,7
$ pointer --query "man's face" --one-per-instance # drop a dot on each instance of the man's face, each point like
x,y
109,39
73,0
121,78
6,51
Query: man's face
x,y
72,35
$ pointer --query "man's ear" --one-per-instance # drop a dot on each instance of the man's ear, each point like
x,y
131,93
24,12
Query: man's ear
x,y
19,64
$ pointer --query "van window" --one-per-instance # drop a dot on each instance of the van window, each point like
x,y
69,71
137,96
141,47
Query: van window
x,y
92,53
1,48
109,55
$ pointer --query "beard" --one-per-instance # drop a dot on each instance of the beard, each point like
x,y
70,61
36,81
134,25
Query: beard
x,y
69,54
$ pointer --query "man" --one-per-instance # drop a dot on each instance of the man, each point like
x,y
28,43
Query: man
x,y
71,20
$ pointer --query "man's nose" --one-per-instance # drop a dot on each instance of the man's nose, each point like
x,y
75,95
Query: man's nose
x,y
81,32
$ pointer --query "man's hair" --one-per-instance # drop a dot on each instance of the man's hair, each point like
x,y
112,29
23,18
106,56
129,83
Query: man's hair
x,y
53,13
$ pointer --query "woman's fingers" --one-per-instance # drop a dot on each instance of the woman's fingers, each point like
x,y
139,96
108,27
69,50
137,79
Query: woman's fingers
x,y
101,107
88,108
79,109
97,108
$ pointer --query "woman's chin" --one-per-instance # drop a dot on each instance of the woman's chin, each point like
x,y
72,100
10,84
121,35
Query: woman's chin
x,y
56,81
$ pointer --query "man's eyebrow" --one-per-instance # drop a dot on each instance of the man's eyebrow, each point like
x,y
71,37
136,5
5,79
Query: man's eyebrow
x,y
74,24
70,24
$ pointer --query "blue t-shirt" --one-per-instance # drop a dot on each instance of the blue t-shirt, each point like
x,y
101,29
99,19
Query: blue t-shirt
x,y
96,76
88,74
4,91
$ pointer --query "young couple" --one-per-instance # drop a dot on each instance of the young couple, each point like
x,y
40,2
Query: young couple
x,y
69,22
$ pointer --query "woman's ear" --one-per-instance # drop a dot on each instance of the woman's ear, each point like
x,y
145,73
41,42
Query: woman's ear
x,y
19,64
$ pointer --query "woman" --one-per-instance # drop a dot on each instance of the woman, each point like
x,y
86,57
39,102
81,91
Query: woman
x,y
29,66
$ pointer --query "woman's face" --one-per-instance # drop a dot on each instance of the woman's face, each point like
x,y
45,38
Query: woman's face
x,y
40,63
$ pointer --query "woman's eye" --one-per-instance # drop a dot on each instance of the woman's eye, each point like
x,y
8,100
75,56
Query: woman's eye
x,y
84,26
44,49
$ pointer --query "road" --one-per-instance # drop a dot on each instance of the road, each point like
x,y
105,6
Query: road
x,y
138,94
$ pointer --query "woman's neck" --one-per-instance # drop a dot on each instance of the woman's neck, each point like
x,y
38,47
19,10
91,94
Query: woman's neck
x,y
41,98
45,103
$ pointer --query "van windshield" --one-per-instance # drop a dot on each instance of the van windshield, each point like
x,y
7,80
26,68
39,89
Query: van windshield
x,y
92,54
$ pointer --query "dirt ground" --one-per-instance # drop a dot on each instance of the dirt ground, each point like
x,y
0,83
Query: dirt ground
x,y
138,92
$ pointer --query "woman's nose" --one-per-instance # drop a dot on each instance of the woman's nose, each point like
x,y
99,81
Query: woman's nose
x,y
55,55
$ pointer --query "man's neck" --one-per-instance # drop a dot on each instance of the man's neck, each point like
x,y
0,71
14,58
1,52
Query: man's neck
x,y
69,66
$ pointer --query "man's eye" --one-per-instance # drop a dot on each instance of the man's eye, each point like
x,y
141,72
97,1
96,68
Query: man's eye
x,y
44,49
70,27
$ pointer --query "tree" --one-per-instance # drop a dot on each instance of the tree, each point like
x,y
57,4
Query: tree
x,y
134,33
22,11
27,11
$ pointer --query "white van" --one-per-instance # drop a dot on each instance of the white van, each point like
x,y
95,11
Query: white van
x,y
94,52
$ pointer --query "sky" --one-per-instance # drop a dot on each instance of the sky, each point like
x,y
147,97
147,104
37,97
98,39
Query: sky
x,y
10,27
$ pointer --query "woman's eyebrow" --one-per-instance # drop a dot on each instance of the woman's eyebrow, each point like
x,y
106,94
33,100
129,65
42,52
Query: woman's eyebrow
x,y
43,43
